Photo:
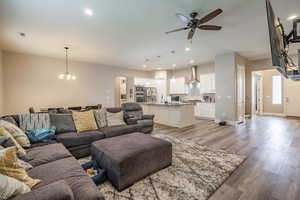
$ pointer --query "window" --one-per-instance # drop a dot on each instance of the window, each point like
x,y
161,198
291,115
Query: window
x,y
277,89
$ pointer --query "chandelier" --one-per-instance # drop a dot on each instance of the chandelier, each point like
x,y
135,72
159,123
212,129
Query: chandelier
x,y
67,75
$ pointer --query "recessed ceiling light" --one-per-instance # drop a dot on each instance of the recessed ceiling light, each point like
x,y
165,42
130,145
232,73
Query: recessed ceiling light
x,y
187,49
144,66
292,17
88,12
174,65
192,61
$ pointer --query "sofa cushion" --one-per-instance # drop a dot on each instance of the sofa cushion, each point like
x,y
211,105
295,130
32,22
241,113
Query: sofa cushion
x,y
84,121
113,131
59,190
70,171
48,153
75,139
63,123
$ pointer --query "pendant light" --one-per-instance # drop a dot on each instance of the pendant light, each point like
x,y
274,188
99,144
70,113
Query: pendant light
x,y
67,75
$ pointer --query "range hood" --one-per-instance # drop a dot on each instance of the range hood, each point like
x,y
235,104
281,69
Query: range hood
x,y
194,75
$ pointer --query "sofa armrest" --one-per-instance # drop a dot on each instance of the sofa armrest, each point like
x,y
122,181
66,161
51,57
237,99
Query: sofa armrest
x,y
148,117
59,190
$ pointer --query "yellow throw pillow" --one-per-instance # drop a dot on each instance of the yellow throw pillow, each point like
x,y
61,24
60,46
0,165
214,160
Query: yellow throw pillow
x,y
84,121
4,132
9,166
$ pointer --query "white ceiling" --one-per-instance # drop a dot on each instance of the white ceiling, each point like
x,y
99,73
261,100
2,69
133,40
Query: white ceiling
x,y
125,32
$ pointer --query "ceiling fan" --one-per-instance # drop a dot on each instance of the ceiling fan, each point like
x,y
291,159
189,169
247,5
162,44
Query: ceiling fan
x,y
193,22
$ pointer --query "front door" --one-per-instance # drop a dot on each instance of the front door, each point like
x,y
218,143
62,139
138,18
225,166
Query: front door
x,y
292,98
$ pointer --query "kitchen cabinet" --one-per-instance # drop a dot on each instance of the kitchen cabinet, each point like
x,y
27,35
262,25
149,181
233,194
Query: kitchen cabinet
x,y
205,110
207,83
177,86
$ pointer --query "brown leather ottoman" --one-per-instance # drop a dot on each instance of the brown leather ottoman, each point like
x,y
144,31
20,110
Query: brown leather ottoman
x,y
130,158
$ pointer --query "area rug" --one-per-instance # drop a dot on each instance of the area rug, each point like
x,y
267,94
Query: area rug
x,y
196,173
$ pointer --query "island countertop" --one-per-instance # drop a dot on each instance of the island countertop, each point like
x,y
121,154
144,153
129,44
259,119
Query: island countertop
x,y
178,115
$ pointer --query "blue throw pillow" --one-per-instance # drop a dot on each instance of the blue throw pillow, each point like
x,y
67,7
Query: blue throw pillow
x,y
39,135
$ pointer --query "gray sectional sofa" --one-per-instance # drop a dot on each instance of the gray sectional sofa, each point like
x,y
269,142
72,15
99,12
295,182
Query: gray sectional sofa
x,y
55,164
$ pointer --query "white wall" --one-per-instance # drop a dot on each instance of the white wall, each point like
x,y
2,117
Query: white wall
x,y
1,86
33,81
225,68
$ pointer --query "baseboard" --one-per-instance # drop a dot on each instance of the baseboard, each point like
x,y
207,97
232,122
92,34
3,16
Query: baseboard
x,y
273,114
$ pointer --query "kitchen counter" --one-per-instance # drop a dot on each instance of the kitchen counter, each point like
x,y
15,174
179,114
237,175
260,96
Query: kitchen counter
x,y
179,115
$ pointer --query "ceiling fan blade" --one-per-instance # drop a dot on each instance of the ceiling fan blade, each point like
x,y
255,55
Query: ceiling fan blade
x,y
210,16
183,18
191,33
179,29
210,27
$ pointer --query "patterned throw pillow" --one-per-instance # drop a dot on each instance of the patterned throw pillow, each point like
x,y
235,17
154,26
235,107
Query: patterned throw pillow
x,y
9,166
4,132
6,142
84,121
10,187
34,121
100,116
115,119
9,119
16,132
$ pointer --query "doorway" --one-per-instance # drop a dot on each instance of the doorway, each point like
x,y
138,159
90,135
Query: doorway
x,y
257,93
121,91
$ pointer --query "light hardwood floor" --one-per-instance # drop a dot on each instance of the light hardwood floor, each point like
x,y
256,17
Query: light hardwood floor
x,y
272,147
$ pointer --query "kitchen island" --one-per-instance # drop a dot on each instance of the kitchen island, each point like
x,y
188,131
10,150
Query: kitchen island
x,y
179,115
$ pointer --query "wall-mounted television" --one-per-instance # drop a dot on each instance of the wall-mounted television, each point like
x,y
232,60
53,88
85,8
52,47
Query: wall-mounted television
x,y
279,43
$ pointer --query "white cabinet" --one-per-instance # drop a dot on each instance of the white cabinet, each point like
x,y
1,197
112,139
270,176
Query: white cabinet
x,y
207,83
177,86
205,110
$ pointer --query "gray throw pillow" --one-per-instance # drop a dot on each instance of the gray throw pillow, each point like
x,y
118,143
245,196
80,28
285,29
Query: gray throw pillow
x,y
63,123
